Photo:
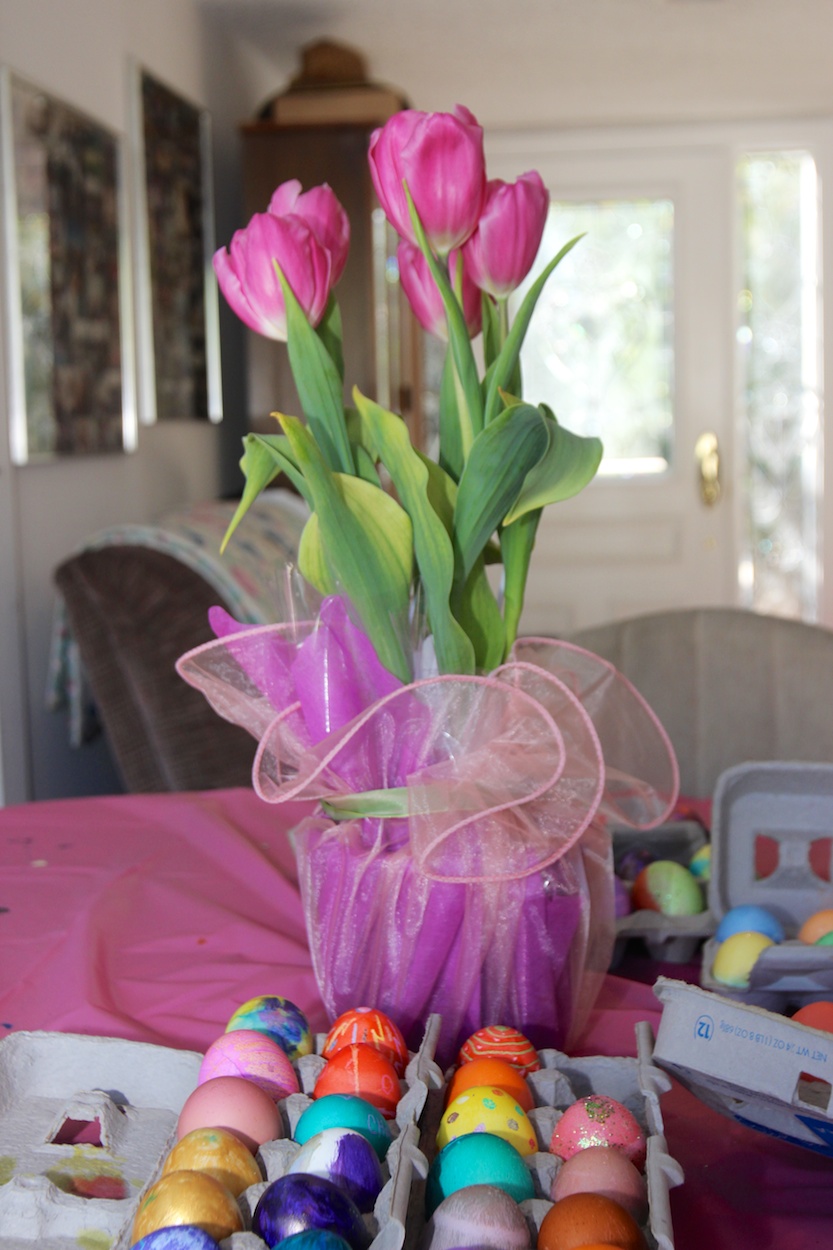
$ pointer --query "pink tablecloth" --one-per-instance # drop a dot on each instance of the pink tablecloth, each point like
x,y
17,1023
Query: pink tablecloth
x,y
153,917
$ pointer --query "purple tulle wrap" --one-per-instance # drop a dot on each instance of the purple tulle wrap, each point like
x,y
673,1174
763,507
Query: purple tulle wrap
x,y
488,896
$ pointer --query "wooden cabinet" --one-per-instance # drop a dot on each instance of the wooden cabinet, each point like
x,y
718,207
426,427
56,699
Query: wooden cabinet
x,y
382,341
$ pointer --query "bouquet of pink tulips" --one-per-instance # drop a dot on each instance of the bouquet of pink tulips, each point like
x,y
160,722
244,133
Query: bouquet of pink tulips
x,y
412,561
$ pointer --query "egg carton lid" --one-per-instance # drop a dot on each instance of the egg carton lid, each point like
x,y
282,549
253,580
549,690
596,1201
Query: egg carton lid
x,y
791,804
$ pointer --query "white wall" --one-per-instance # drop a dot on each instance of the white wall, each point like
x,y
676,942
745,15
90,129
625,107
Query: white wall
x,y
80,50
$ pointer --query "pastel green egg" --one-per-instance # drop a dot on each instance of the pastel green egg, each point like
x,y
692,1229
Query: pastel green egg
x,y
477,1159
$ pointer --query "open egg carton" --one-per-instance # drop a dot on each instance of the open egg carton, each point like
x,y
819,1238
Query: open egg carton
x,y
561,1081
780,813
87,1122
673,939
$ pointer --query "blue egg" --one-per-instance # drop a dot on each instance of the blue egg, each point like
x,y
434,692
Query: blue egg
x,y
179,1237
749,918
299,1201
314,1239
348,1159
477,1159
345,1111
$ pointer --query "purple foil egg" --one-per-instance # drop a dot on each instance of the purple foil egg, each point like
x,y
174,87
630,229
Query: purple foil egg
x,y
299,1201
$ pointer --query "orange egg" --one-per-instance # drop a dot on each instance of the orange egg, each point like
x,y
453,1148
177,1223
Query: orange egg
x,y
816,926
491,1072
582,1220
500,1041
363,1072
369,1027
816,1016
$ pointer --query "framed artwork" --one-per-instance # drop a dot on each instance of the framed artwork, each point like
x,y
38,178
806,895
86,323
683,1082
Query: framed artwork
x,y
177,303
67,279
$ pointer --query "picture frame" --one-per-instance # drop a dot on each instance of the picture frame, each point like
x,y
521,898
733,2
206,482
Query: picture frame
x,y
177,304
66,270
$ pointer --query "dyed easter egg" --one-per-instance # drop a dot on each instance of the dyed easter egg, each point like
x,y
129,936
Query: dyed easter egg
x,y
630,864
479,1215
816,1016
736,957
583,1220
298,1201
346,1158
314,1239
488,1109
621,898
364,1072
188,1198
598,1120
253,1055
816,927
667,887
345,1111
217,1152
285,1023
499,1041
700,864
491,1072
600,1170
235,1104
180,1237
367,1026
477,1159
749,918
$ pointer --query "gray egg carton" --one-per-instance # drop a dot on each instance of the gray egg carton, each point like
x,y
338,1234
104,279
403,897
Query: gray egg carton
x,y
673,939
792,804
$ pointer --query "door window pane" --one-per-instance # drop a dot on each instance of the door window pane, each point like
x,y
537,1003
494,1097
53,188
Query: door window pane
x,y
600,348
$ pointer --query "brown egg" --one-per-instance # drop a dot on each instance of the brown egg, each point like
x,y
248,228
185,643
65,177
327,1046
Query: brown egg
x,y
582,1220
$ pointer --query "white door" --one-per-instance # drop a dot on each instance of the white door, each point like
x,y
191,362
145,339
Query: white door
x,y
637,540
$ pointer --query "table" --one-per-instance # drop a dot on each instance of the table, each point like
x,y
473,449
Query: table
x,y
152,917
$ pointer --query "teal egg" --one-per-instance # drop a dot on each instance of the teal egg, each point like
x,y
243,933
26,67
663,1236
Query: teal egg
x,y
344,1111
477,1159
700,863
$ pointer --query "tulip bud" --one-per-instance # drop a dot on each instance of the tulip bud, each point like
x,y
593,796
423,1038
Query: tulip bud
x,y
440,157
500,253
321,210
424,297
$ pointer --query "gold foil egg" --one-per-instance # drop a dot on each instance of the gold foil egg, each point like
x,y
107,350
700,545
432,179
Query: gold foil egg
x,y
188,1198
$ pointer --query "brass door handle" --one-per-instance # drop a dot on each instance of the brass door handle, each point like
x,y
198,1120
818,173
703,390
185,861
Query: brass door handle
x,y
707,454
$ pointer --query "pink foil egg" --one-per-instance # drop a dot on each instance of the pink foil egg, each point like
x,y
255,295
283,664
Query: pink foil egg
x,y
598,1120
233,1103
600,1170
254,1056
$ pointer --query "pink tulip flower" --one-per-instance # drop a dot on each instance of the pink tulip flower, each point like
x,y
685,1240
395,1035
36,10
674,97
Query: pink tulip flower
x,y
247,277
500,253
440,156
424,297
320,209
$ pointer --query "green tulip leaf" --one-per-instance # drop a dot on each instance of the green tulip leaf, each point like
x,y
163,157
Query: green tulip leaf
x,y
477,610
330,333
319,383
451,445
504,368
264,457
380,804
569,463
516,544
432,543
360,545
501,457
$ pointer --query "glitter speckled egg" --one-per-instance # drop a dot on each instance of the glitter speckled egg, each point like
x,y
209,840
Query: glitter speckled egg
x,y
816,926
346,1158
491,1072
667,887
345,1111
217,1152
600,1170
477,1159
499,1041
370,1027
736,957
282,1020
364,1072
232,1103
299,1201
479,1215
181,1237
584,1220
253,1055
188,1198
487,1109
598,1120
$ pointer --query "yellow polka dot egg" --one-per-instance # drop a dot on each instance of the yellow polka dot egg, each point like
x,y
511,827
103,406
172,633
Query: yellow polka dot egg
x,y
487,1109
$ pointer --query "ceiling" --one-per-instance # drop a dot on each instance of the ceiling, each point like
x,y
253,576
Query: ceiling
x,y
523,63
